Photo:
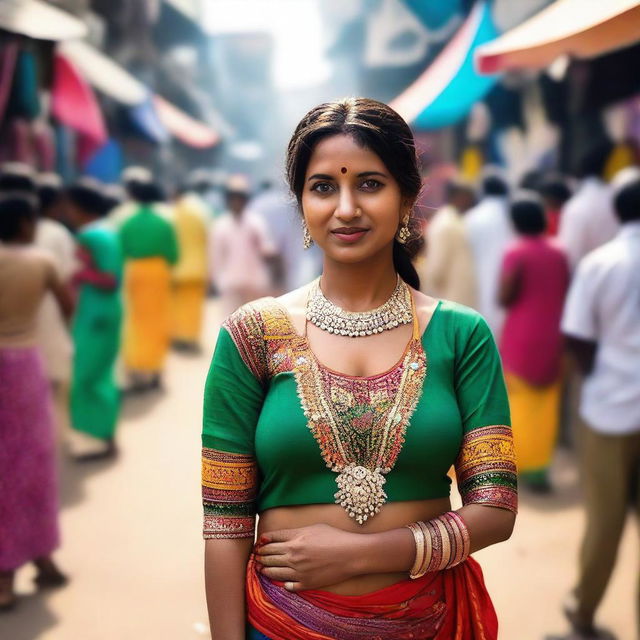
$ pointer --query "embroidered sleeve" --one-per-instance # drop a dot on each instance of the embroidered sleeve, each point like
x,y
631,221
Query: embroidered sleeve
x,y
246,326
233,400
229,486
486,465
486,468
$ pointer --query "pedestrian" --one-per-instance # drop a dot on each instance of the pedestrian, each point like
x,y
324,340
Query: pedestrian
x,y
489,230
53,336
588,220
447,270
189,276
601,322
555,194
28,480
533,284
95,398
279,213
150,249
356,537
243,255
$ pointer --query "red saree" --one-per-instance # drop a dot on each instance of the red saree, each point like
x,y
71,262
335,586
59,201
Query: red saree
x,y
444,605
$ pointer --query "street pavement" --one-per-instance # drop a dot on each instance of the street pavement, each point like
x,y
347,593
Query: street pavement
x,y
133,551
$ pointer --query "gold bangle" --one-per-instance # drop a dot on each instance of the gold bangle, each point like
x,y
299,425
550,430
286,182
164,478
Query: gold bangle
x,y
428,548
419,538
464,533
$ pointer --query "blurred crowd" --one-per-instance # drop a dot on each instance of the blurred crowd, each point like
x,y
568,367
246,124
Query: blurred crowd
x,y
97,283
554,266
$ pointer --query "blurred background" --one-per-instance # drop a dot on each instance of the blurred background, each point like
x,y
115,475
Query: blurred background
x,y
110,108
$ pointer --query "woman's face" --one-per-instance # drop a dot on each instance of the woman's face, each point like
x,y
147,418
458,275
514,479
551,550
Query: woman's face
x,y
351,203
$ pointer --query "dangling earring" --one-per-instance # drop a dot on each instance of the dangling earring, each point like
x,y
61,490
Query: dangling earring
x,y
403,234
307,240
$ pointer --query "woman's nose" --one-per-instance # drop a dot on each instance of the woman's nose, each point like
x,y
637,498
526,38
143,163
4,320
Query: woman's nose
x,y
347,207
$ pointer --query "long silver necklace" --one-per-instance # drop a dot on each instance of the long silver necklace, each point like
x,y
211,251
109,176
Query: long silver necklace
x,y
330,317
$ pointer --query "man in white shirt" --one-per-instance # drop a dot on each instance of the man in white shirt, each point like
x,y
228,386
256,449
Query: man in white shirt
x,y
489,231
283,220
243,257
602,325
588,220
447,269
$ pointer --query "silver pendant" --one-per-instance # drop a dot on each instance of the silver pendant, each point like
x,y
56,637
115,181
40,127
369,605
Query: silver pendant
x,y
360,491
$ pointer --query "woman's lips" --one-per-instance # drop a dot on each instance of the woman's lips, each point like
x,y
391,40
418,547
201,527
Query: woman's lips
x,y
349,236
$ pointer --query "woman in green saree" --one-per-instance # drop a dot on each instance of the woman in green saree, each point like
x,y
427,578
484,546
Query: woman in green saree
x,y
95,399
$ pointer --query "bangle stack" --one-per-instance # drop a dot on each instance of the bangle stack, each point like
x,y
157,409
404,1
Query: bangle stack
x,y
441,543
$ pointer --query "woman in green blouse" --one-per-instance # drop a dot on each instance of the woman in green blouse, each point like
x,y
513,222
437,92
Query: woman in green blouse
x,y
95,399
336,411
150,248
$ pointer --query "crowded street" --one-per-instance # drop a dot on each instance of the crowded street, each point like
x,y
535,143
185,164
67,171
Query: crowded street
x,y
319,320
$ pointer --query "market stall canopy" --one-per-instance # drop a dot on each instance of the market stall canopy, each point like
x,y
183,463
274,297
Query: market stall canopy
x,y
578,28
449,87
189,8
182,126
103,73
74,104
39,20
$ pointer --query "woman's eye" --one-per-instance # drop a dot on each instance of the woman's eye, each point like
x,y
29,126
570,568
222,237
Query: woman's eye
x,y
322,187
371,184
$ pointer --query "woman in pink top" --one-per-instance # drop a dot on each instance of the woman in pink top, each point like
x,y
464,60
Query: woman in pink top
x,y
533,285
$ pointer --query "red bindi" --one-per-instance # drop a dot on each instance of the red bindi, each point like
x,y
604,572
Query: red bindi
x,y
344,170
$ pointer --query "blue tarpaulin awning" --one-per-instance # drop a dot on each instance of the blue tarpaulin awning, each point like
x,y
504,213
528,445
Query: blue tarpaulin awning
x,y
450,86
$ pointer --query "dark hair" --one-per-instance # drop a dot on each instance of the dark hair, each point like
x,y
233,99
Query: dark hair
x,y
555,188
16,181
593,162
146,192
375,126
530,181
48,195
493,185
627,202
456,187
15,208
527,214
89,198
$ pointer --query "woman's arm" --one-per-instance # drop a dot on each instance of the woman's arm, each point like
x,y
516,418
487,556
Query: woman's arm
x,y
61,293
90,274
509,287
319,555
225,563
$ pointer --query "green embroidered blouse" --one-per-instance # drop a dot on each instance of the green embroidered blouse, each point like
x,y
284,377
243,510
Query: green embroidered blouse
x,y
278,426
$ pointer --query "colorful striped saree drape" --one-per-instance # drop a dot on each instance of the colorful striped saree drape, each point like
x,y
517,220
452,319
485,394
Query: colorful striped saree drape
x,y
444,605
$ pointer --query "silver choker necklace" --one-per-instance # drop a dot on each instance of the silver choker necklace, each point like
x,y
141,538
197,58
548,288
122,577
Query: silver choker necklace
x,y
330,317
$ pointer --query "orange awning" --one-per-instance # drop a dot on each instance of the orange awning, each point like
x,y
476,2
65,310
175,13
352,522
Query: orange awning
x,y
577,28
182,126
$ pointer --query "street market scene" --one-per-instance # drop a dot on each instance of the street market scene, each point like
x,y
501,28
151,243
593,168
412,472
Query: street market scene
x,y
319,319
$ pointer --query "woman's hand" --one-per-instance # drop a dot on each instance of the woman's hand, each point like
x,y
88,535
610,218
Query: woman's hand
x,y
309,557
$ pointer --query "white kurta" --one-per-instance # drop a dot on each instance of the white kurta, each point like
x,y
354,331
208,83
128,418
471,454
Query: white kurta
x,y
489,231
587,220
447,269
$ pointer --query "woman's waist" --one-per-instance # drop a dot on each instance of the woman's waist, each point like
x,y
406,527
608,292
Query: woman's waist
x,y
393,515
